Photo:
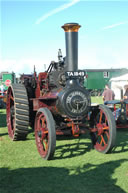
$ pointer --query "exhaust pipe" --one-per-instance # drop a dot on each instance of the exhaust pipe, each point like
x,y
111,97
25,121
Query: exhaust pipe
x,y
71,40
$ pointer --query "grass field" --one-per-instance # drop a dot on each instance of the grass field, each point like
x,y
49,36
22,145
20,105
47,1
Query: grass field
x,y
76,167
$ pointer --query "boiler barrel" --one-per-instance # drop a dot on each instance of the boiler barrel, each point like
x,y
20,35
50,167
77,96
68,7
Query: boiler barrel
x,y
71,39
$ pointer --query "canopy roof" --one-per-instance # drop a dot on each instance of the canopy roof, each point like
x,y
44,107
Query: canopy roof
x,y
120,78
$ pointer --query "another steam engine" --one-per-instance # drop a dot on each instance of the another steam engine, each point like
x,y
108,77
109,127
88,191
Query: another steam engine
x,y
55,102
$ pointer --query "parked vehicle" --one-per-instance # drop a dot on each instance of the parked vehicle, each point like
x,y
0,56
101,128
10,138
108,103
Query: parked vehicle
x,y
119,109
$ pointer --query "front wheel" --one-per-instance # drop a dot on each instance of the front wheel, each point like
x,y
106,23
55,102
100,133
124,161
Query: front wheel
x,y
103,133
45,133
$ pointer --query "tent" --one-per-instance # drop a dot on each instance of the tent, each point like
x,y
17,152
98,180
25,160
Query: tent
x,y
117,84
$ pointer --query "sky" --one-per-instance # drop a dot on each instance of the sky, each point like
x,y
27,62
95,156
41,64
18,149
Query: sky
x,y
31,33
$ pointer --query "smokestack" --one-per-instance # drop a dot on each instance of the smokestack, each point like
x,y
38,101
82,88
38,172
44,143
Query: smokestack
x,y
71,38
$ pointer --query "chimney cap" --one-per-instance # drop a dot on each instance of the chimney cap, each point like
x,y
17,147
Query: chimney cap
x,y
71,27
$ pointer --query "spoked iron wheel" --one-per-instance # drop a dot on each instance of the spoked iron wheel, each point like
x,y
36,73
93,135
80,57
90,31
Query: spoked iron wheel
x,y
17,109
45,133
103,134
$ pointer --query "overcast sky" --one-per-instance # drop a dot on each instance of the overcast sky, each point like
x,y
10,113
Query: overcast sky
x,y
31,33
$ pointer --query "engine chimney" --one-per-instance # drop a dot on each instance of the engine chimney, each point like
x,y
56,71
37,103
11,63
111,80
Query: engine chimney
x,y
71,38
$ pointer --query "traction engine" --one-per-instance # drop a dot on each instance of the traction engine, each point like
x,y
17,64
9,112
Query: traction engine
x,y
56,102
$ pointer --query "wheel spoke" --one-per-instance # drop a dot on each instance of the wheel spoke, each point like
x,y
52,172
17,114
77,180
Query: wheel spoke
x,y
43,122
45,132
101,114
107,135
103,139
105,128
106,121
46,144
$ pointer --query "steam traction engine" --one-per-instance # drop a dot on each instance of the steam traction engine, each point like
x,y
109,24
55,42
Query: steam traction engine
x,y
55,102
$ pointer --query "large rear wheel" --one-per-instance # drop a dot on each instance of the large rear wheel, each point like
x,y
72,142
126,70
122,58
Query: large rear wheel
x,y
17,109
45,133
103,134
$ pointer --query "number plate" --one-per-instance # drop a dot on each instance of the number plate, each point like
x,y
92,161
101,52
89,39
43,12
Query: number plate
x,y
75,73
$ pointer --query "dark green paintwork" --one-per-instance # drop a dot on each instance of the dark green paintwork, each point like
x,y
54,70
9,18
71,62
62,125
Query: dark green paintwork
x,y
96,79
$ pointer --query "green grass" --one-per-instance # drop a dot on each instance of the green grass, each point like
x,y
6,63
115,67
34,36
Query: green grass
x,y
97,99
76,167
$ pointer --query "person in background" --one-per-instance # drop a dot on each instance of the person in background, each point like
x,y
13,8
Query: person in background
x,y
2,89
108,94
126,92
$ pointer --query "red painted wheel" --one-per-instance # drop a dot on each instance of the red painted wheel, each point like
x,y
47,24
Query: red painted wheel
x,y
45,133
103,134
17,110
